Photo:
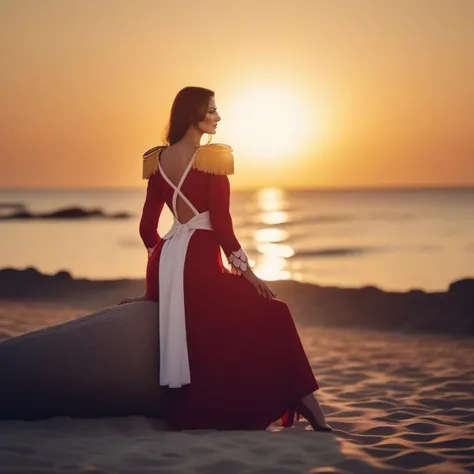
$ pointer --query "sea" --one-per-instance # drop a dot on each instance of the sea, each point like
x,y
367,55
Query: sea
x,y
396,240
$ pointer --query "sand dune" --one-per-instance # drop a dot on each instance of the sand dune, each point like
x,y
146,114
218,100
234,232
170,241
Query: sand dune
x,y
398,403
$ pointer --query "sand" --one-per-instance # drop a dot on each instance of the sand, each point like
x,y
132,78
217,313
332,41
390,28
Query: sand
x,y
398,403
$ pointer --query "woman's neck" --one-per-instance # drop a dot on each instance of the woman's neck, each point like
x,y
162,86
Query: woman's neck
x,y
191,139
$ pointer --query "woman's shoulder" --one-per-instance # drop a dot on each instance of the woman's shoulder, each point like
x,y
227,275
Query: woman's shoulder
x,y
215,158
150,161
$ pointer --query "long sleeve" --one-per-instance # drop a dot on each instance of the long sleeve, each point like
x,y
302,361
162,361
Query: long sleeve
x,y
152,209
221,220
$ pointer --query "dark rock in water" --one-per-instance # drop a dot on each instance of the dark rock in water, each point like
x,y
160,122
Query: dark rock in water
x,y
102,364
63,275
72,213
68,213
12,205
17,207
18,215
120,215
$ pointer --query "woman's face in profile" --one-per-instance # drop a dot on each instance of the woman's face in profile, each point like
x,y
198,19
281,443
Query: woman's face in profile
x,y
209,124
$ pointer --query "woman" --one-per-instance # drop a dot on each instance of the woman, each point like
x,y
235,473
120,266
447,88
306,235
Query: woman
x,y
231,357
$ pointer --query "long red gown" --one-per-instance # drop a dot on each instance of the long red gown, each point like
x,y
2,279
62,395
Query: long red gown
x,y
248,367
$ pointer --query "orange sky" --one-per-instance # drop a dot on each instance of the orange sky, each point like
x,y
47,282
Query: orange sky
x,y
381,89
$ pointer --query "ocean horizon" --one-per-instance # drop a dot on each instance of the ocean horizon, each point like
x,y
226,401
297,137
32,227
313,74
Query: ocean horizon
x,y
414,187
397,239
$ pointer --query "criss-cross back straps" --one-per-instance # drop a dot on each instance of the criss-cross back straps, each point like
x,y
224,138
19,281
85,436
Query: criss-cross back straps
x,y
177,189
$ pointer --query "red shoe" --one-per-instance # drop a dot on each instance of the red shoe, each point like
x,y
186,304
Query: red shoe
x,y
302,409
288,419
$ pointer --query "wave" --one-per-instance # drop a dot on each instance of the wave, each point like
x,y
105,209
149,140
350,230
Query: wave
x,y
336,252
286,220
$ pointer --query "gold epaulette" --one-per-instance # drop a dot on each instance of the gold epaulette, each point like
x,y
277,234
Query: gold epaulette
x,y
150,161
215,158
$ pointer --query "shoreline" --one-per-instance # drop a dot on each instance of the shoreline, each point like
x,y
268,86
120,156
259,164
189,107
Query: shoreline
x,y
397,401
415,311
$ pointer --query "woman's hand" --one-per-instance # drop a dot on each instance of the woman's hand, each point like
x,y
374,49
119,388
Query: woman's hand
x,y
262,288
133,299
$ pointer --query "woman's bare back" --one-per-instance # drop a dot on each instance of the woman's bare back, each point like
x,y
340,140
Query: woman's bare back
x,y
174,162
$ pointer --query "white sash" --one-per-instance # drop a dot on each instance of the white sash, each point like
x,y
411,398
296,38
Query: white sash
x,y
174,360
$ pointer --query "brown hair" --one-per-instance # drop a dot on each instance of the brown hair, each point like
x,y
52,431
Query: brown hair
x,y
189,107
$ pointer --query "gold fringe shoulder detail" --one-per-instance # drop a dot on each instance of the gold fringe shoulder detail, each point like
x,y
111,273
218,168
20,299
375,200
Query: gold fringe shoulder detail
x,y
215,158
150,161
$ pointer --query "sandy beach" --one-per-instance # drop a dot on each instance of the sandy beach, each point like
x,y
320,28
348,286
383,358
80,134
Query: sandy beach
x,y
399,402
321,151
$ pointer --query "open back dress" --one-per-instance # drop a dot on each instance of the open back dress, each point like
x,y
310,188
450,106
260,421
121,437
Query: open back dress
x,y
230,359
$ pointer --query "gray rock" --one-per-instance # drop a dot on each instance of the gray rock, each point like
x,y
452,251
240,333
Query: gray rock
x,y
102,364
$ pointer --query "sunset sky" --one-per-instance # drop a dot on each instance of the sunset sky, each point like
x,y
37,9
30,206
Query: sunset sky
x,y
312,93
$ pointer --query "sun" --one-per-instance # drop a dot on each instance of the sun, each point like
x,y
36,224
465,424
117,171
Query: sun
x,y
268,123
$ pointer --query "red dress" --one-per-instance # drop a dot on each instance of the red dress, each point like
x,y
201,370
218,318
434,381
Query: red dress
x,y
248,367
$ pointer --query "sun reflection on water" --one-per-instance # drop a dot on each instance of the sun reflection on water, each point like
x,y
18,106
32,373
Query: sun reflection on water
x,y
272,199
276,250
275,217
273,250
271,235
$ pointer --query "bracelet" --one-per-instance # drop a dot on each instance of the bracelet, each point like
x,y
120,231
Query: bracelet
x,y
239,262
